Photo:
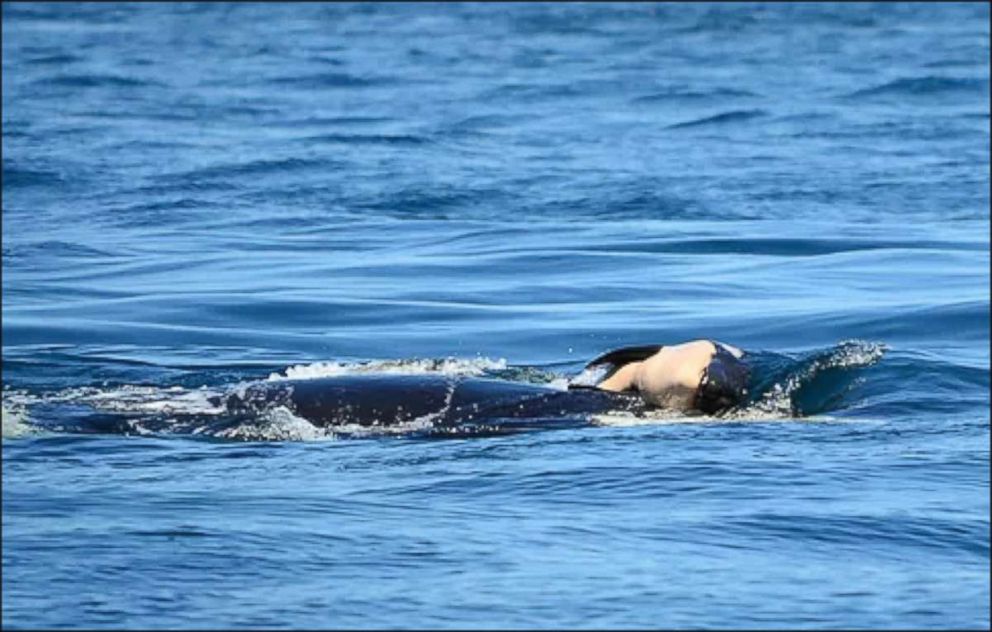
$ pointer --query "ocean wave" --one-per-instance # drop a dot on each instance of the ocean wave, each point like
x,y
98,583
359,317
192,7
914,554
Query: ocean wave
x,y
250,168
325,121
816,384
16,421
533,91
55,249
439,203
21,177
781,247
97,81
908,532
162,213
331,80
686,94
484,122
624,203
923,86
717,19
368,139
724,118
57,59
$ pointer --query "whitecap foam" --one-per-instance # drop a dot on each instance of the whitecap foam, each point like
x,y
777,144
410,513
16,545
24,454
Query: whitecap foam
x,y
275,424
660,417
451,367
624,419
16,422
132,398
560,383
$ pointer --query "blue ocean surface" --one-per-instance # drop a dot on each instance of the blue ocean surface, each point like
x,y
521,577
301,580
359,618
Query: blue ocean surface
x,y
201,197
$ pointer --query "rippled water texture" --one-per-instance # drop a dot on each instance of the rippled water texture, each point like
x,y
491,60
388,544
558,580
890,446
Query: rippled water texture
x,y
202,197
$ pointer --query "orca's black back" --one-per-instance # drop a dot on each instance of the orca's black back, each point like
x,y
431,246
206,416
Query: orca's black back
x,y
382,399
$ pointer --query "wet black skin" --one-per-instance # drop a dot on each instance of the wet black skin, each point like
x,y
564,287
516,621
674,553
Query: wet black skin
x,y
373,400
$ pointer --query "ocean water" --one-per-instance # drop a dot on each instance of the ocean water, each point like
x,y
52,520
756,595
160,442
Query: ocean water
x,y
197,197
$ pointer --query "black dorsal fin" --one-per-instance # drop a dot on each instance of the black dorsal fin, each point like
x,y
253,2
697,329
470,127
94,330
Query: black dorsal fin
x,y
626,355
605,365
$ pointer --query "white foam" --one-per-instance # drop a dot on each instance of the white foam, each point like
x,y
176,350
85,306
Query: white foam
x,y
131,398
276,424
660,417
622,419
451,367
858,353
16,422
128,398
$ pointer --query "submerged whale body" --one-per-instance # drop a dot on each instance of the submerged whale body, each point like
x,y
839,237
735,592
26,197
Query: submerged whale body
x,y
383,400
374,400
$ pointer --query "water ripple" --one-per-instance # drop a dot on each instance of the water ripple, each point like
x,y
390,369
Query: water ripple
x,y
733,116
924,86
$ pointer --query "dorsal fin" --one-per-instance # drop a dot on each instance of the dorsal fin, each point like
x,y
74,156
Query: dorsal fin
x,y
625,355
605,365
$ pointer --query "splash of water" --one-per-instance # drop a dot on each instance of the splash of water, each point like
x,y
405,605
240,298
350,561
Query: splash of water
x,y
15,420
780,400
452,367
